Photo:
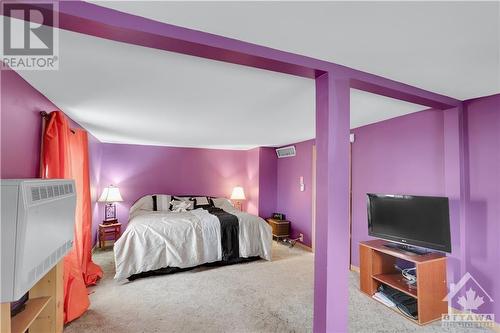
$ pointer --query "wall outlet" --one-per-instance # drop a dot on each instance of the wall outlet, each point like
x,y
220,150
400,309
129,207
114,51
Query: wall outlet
x,y
301,184
301,237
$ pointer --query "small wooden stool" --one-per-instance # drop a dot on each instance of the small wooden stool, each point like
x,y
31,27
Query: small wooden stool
x,y
109,229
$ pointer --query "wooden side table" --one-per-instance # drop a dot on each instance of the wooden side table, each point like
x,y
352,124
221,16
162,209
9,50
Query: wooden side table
x,y
281,228
109,231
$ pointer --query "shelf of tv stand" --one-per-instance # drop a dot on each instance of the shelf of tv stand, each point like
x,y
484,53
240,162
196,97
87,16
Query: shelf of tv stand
x,y
23,320
396,281
44,309
377,267
395,309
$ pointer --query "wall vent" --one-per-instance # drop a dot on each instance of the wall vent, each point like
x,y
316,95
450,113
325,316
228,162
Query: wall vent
x,y
50,191
286,152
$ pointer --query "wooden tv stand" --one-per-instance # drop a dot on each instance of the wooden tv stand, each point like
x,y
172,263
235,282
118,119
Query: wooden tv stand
x,y
377,267
44,311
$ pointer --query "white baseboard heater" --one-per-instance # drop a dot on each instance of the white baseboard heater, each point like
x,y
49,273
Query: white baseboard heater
x,y
36,230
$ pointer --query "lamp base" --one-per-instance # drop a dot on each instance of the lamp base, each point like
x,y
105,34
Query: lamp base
x,y
238,205
110,211
109,221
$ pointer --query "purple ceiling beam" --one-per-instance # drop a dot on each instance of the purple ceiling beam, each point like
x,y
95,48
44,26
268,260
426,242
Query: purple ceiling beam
x,y
94,20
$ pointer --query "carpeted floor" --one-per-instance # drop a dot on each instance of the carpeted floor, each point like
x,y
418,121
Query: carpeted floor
x,y
259,296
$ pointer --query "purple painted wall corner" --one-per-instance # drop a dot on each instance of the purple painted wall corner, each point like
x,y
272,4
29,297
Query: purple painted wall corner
x,y
251,204
267,181
295,204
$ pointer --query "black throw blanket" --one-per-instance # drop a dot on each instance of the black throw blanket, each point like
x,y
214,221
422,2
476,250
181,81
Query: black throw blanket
x,y
229,230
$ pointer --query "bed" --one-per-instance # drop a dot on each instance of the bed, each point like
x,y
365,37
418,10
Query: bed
x,y
159,238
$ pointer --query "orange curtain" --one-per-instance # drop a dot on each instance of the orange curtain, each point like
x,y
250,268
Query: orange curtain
x,y
65,155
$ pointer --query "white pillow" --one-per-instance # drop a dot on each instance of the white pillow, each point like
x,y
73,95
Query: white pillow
x,y
223,203
181,205
145,204
200,202
163,202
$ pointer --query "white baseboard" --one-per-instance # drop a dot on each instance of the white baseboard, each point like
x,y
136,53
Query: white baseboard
x,y
355,268
303,246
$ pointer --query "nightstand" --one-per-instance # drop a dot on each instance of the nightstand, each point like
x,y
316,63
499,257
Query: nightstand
x,y
281,228
109,231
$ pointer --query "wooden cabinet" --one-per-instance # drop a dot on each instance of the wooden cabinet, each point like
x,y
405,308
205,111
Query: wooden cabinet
x,y
281,228
44,311
377,266
109,231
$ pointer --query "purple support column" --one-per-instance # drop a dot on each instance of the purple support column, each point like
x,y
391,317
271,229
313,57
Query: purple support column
x,y
456,187
332,203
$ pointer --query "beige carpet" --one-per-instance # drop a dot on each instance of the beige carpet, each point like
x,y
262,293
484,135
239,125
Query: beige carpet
x,y
260,296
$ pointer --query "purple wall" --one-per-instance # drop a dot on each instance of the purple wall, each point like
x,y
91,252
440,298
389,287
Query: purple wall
x,y
140,170
252,186
20,136
267,181
21,126
483,223
409,154
296,205
400,155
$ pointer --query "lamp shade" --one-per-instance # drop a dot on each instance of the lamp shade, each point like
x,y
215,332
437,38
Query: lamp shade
x,y
238,193
110,194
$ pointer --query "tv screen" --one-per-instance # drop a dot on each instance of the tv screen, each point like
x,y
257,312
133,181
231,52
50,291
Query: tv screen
x,y
409,219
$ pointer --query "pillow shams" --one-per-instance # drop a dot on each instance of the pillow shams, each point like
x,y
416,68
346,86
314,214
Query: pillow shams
x,y
202,202
181,205
223,203
176,198
161,202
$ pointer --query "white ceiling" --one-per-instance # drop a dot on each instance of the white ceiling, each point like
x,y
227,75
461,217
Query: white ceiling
x,y
123,93
452,48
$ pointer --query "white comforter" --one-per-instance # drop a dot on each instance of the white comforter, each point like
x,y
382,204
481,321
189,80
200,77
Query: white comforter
x,y
156,240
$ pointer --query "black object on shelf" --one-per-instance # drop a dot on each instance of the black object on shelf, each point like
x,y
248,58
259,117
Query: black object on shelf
x,y
19,305
406,304
279,216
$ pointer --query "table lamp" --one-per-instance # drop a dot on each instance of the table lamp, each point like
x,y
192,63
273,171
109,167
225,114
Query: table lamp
x,y
110,195
237,196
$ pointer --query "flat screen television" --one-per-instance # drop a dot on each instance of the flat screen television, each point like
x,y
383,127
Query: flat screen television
x,y
420,221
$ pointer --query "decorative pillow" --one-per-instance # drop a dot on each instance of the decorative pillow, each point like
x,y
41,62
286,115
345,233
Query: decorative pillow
x,y
223,203
181,205
202,202
181,198
161,202
147,204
